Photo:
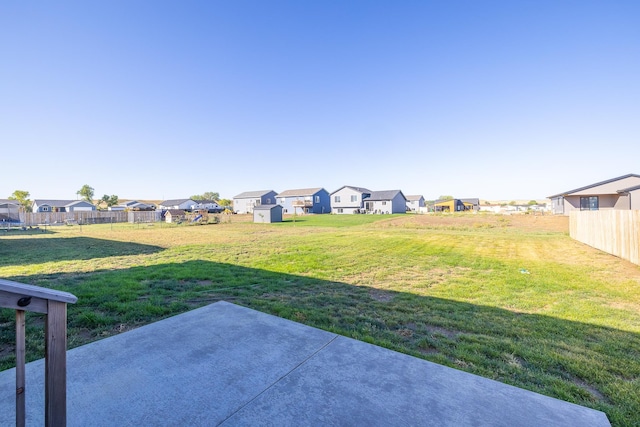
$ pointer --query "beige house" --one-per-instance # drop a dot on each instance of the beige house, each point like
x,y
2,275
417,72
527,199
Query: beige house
x,y
622,192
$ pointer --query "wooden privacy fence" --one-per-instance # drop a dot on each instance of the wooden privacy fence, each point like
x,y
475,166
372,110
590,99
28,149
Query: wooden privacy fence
x,y
88,217
614,231
53,304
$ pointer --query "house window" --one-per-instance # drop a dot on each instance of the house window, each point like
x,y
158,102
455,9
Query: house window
x,y
336,199
268,201
384,203
282,200
590,203
354,198
45,209
317,199
340,210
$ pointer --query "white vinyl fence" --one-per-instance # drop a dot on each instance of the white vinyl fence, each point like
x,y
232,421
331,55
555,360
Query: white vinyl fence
x,y
614,231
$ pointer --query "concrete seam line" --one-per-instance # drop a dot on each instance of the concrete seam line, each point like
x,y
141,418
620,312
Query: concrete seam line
x,y
279,379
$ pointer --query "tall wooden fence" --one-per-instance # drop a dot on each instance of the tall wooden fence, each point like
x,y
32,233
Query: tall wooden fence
x,y
614,231
87,217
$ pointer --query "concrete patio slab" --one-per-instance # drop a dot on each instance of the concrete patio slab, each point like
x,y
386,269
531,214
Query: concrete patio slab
x,y
228,365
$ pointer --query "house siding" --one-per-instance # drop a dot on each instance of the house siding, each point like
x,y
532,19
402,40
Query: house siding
x,y
245,205
319,203
345,204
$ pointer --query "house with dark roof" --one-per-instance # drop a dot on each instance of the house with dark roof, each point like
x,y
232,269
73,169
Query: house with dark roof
x,y
184,204
40,205
305,200
349,199
414,203
621,193
386,202
244,203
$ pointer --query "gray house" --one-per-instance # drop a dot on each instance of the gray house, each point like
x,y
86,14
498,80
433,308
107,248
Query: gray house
x,y
244,203
40,205
184,204
622,192
267,213
386,202
349,199
414,203
305,200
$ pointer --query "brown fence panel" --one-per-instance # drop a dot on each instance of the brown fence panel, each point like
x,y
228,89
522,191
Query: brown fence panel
x,y
614,231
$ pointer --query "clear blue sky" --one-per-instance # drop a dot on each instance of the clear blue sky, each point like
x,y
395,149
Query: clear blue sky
x,y
158,100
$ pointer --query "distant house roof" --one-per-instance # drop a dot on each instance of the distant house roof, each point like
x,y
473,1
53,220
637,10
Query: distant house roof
x,y
60,203
265,207
253,194
471,200
48,202
608,181
414,198
300,192
174,202
384,195
358,189
79,203
9,202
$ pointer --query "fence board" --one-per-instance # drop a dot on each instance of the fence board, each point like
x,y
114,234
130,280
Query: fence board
x,y
614,231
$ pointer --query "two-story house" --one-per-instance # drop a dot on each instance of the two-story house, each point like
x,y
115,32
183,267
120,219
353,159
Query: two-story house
x,y
349,199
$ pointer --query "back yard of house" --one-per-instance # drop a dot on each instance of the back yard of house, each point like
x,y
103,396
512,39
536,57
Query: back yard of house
x,y
509,298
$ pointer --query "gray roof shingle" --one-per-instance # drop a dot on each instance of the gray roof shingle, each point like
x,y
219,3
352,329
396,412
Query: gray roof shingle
x,y
252,194
300,192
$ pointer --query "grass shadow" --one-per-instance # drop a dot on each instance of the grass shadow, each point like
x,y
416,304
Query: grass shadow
x,y
37,251
582,363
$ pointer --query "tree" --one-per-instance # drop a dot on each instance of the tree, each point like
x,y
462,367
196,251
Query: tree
x,y
208,195
22,197
86,192
445,198
108,200
532,202
227,203
512,203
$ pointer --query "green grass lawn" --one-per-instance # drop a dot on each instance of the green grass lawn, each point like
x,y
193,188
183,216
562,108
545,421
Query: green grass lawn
x,y
512,299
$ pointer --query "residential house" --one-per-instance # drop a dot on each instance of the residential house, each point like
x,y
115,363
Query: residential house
x,y
244,203
267,213
386,202
134,205
452,205
622,193
208,205
305,200
40,205
184,204
414,203
473,202
349,199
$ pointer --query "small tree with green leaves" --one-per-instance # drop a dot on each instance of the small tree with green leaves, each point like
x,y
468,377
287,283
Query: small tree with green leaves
x,y
86,192
108,200
445,198
22,197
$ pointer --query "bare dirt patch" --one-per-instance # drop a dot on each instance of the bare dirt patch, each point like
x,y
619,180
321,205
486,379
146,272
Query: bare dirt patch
x,y
537,223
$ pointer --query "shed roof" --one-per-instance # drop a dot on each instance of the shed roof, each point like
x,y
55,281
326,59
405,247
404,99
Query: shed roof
x,y
608,181
252,194
300,192
265,207
414,198
384,195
